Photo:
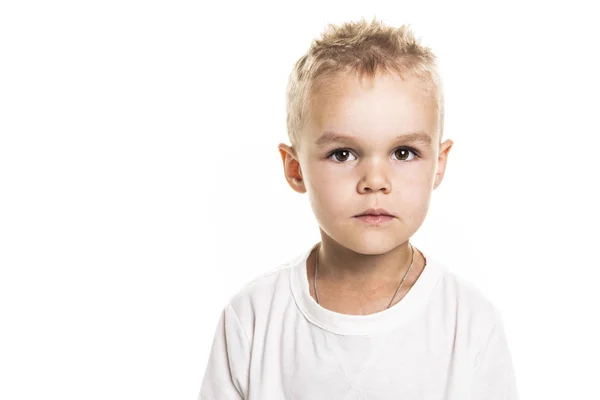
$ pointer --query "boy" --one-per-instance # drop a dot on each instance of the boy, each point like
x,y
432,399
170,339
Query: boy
x,y
363,314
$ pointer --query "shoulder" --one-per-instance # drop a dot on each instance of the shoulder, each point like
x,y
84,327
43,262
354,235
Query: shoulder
x,y
466,302
264,297
263,287
461,309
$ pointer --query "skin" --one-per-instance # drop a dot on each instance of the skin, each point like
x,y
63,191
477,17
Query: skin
x,y
361,265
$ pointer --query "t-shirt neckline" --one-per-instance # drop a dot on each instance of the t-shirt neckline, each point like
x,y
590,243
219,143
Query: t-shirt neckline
x,y
382,321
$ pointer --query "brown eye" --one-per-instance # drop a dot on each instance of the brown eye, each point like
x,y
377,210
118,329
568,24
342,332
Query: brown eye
x,y
341,155
403,154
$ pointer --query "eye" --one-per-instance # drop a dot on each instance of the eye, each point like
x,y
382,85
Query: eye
x,y
403,153
341,155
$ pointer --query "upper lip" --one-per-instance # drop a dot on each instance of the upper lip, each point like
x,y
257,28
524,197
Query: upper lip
x,y
375,211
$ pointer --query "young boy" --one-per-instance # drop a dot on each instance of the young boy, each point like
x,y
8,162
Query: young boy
x,y
362,314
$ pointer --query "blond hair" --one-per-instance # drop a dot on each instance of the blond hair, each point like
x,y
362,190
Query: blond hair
x,y
364,48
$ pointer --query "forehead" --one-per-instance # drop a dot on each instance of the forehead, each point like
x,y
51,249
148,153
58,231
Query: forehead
x,y
373,109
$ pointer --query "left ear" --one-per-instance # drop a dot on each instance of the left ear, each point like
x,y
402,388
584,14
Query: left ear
x,y
442,161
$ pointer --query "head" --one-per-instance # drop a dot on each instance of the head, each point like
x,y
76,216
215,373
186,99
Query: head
x,y
365,122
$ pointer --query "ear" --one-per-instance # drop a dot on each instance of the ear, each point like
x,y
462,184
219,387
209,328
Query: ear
x,y
291,168
442,161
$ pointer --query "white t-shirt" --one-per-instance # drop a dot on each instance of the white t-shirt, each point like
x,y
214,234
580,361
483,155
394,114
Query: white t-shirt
x,y
442,340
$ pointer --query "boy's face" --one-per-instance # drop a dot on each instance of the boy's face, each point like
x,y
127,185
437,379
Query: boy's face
x,y
353,157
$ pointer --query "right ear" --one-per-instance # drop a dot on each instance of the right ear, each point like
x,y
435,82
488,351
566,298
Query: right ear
x,y
291,168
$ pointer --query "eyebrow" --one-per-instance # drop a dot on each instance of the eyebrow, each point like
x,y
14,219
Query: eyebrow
x,y
334,137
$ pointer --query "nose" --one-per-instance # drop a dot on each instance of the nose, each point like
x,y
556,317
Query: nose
x,y
374,178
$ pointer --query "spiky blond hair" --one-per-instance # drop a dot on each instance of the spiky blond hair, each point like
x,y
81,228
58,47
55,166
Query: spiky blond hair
x,y
364,48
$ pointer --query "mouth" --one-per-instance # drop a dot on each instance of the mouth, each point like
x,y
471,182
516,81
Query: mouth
x,y
375,216
375,212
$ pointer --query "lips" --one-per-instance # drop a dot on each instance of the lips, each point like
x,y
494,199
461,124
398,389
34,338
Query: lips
x,y
375,212
375,219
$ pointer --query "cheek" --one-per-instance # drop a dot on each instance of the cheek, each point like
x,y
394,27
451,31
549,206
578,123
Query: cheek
x,y
416,201
336,181
328,192
411,193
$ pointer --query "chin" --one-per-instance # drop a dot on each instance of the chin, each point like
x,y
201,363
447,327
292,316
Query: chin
x,y
376,248
372,243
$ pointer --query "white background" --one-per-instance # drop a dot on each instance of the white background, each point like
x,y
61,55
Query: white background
x,y
141,187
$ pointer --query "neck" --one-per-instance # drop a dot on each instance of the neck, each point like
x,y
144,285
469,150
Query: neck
x,y
342,266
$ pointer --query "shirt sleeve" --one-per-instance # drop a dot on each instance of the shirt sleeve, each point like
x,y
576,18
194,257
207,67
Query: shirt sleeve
x,y
226,376
494,371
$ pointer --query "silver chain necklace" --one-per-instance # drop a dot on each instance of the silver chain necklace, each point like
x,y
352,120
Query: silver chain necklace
x,y
395,293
